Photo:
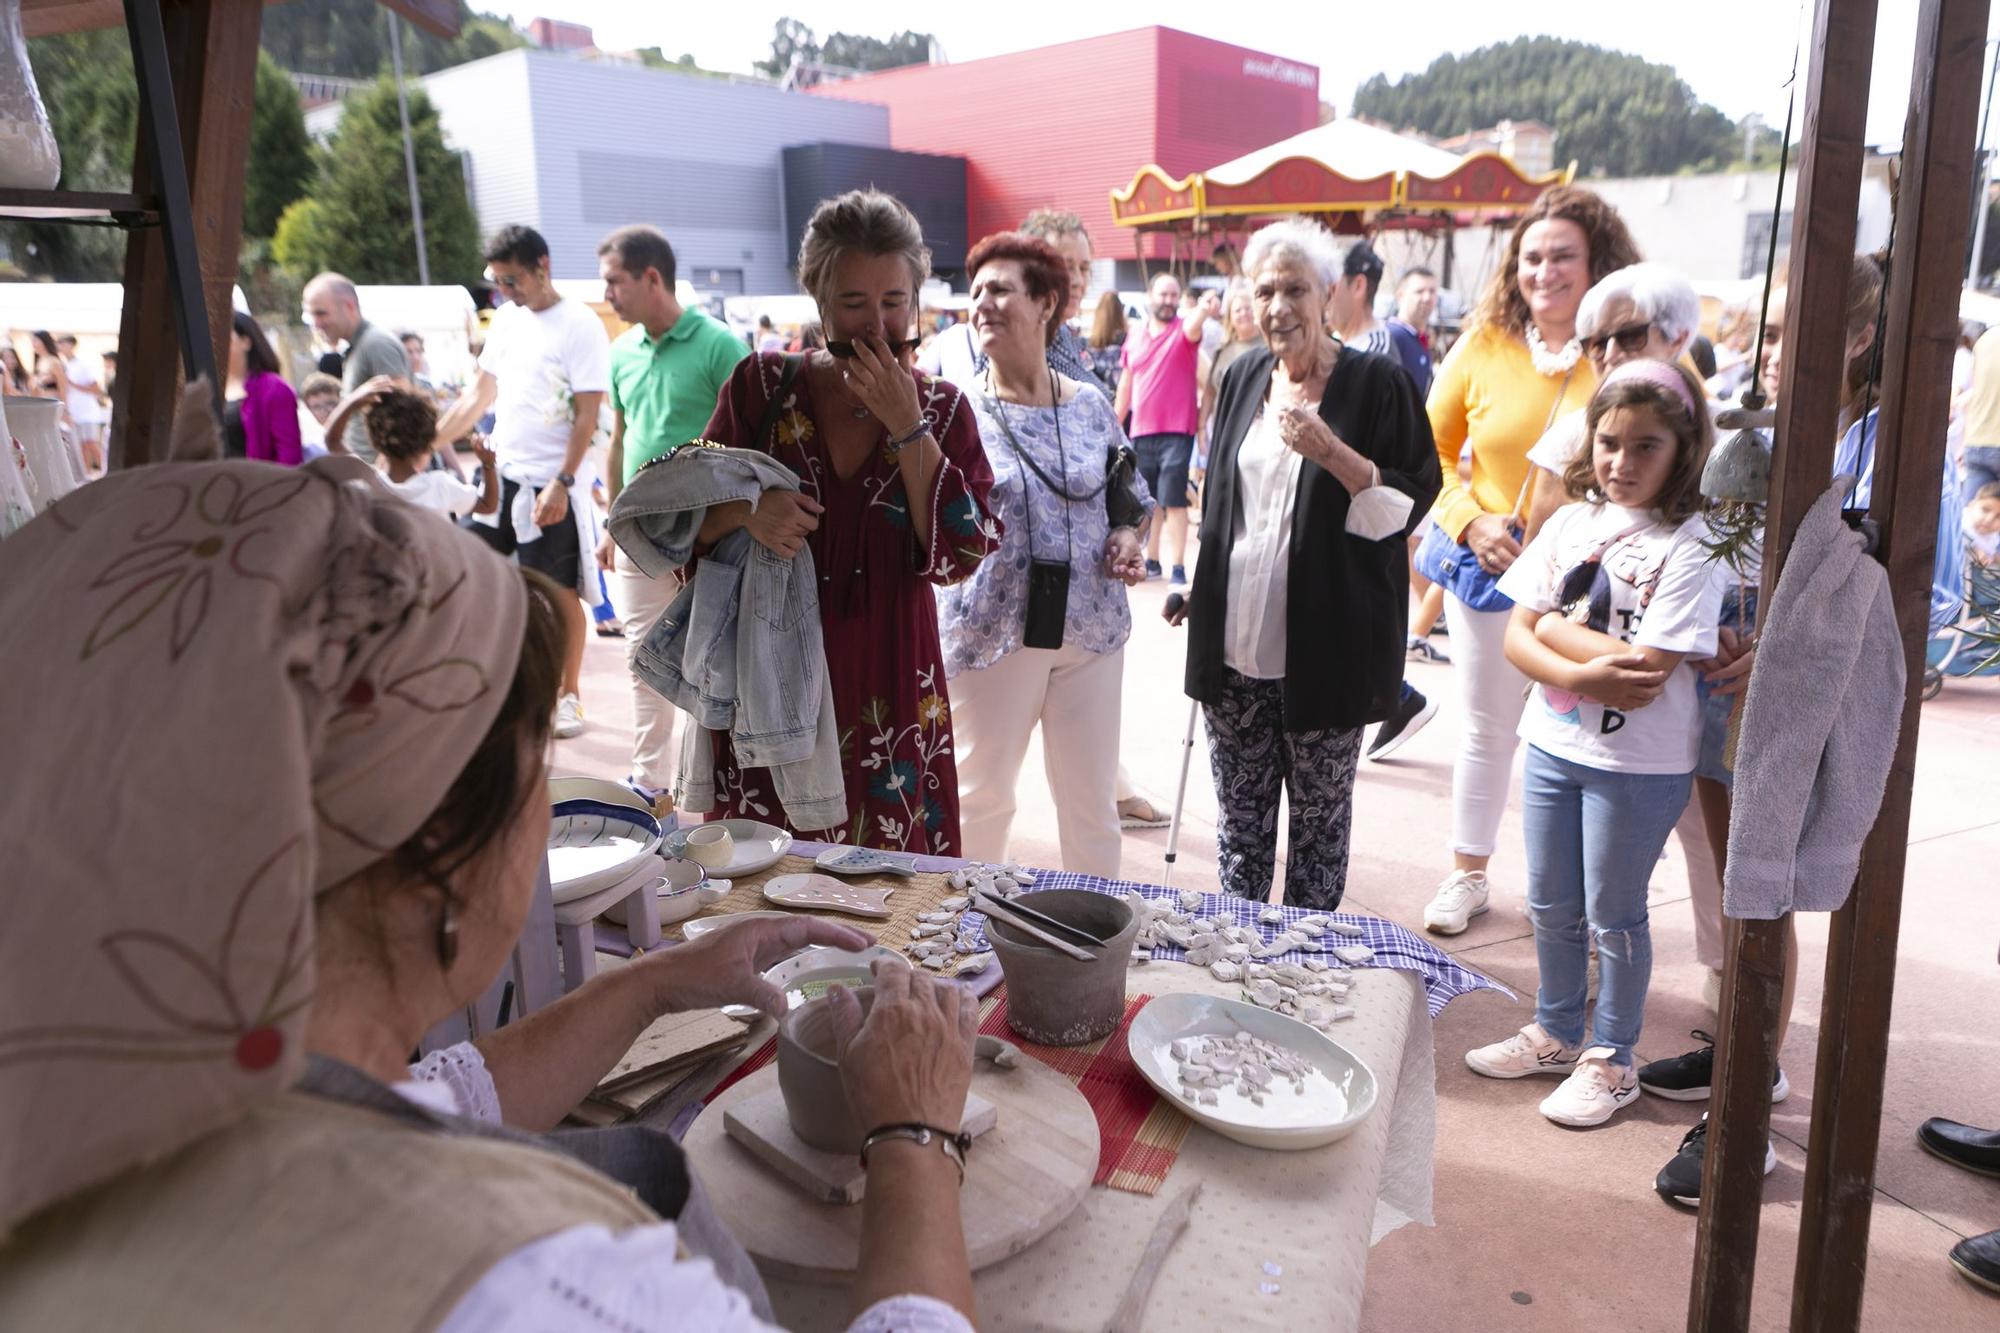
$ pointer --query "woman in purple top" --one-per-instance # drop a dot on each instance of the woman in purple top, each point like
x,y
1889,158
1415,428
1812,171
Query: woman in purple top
x,y
260,415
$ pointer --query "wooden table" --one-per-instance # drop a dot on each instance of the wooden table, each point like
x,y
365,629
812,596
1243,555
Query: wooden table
x,y
1278,1240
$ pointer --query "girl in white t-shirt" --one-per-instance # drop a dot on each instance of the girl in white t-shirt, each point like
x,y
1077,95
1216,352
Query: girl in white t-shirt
x,y
403,428
1611,600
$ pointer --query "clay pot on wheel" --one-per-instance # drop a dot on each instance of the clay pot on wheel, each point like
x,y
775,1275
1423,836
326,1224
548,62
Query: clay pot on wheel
x,y
1052,999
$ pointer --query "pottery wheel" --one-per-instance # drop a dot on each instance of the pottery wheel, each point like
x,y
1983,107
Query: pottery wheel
x,y
1022,1179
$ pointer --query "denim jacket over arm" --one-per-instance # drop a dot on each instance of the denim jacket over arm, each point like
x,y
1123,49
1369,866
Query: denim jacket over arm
x,y
739,649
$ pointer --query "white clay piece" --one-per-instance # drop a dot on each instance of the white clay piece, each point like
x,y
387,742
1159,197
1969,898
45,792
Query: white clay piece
x,y
1254,1068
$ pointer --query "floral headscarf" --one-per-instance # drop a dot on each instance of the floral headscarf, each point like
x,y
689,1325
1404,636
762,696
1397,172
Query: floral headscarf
x,y
224,688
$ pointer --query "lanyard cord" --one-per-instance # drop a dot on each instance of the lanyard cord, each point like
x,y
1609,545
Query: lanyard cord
x,y
1062,463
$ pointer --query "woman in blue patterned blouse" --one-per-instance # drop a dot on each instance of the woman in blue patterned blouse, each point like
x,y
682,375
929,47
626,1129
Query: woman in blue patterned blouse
x,y
1037,634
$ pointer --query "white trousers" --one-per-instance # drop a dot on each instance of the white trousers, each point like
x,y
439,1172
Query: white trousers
x,y
1074,696
1491,694
639,601
1704,886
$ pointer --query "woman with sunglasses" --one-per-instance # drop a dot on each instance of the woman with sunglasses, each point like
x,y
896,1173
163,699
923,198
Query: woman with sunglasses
x,y
1643,312
891,500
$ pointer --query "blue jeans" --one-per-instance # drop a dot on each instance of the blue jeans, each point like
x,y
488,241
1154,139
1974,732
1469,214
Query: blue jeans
x,y
1593,838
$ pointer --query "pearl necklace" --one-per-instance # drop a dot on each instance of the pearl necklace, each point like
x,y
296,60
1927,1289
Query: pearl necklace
x,y
1552,363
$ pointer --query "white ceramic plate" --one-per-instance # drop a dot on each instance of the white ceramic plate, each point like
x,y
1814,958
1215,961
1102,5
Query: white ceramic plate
x,y
807,975
1338,1096
758,846
594,845
702,925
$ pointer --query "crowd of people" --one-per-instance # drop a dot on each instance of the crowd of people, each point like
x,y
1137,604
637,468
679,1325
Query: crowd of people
x,y
868,566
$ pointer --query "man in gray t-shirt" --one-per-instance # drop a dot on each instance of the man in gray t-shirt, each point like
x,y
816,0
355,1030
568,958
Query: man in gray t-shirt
x,y
333,307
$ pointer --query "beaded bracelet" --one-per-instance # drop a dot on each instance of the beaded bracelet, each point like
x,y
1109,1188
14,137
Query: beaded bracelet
x,y
901,442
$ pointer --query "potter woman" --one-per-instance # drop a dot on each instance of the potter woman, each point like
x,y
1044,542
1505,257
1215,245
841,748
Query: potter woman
x,y
206,1005
1320,463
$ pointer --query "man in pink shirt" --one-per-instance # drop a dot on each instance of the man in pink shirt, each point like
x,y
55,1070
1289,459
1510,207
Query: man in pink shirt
x,y
1158,388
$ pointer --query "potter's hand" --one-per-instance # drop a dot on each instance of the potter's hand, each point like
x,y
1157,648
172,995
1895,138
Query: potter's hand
x,y
910,1061
726,966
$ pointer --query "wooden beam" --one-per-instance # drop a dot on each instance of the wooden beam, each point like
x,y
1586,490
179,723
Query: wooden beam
x,y
1939,147
212,50
42,18
1828,198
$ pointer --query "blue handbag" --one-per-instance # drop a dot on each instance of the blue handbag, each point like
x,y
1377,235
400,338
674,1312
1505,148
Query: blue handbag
x,y
1452,565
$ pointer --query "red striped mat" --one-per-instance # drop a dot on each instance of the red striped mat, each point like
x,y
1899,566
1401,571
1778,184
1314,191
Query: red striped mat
x,y
1139,1135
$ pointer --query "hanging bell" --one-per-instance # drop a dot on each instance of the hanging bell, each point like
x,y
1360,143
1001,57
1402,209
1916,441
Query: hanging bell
x,y
1739,468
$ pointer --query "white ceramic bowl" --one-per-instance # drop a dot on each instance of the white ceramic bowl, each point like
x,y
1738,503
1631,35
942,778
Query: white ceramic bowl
x,y
683,889
594,845
808,975
758,846
1338,1096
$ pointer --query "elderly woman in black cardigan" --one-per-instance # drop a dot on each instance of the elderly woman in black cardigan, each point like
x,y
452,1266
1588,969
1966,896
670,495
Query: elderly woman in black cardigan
x,y
1320,462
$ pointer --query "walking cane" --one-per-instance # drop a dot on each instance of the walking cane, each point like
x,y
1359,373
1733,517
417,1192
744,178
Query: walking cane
x,y
1174,605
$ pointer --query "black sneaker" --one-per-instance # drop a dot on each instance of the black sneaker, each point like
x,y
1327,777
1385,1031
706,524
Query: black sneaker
x,y
1977,1258
1686,1078
1679,1180
1413,712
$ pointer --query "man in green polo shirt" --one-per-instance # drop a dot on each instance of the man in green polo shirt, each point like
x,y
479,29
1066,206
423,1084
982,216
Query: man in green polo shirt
x,y
666,371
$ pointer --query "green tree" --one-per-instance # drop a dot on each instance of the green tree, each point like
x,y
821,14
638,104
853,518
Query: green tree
x,y
791,39
86,83
357,216
280,163
1615,114
350,39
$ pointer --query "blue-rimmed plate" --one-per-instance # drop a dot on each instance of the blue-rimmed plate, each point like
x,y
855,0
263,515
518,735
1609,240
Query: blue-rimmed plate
x,y
596,844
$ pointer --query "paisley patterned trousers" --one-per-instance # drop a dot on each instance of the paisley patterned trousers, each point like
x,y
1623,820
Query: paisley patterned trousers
x,y
1253,757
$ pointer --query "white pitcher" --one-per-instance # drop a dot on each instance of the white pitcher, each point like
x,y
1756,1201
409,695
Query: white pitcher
x,y
28,156
55,468
17,500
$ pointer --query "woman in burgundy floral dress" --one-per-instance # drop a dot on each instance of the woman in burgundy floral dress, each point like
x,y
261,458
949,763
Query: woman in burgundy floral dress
x,y
893,499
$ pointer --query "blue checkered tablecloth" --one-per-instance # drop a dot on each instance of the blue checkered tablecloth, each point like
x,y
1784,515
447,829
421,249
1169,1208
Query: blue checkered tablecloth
x,y
1444,979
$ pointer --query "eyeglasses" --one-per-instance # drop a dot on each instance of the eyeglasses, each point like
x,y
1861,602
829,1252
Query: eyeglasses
x,y
897,346
1631,340
511,284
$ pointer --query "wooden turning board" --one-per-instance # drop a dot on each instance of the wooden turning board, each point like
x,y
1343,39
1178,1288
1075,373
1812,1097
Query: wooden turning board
x,y
1023,1178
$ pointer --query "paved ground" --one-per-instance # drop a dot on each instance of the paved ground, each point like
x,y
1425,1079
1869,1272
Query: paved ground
x,y
1541,1228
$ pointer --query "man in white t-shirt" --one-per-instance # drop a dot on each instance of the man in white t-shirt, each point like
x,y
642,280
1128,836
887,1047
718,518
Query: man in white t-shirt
x,y
544,373
87,409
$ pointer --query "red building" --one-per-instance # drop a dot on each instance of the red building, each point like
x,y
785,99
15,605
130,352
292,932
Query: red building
x,y
1062,126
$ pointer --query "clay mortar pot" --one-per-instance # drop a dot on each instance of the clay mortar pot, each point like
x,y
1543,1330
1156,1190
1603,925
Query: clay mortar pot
x,y
809,1074
1052,999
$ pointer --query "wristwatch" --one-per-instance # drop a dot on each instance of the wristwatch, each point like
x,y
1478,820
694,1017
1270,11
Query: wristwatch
x,y
568,479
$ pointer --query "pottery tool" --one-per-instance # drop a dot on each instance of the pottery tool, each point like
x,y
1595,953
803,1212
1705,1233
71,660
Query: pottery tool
x,y
1019,908
1127,1318
823,893
998,910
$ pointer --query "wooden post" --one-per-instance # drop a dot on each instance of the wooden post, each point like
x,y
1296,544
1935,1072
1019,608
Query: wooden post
x,y
1924,277
212,49
1822,255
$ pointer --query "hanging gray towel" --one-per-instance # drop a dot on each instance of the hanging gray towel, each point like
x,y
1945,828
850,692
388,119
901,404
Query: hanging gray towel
x,y
1820,722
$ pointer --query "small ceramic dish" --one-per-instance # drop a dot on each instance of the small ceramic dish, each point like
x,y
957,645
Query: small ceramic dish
x,y
758,846
865,861
1338,1096
701,926
809,975
595,844
683,889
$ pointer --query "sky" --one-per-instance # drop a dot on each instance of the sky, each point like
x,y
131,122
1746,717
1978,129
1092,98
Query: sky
x,y
1736,54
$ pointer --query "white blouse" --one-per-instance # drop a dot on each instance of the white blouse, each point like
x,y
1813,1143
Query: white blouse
x,y
1267,484
587,1279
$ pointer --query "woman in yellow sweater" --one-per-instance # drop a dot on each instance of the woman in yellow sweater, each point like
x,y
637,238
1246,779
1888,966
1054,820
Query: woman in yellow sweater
x,y
1515,371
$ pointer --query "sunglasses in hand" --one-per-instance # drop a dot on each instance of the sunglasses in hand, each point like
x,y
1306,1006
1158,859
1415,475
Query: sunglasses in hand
x,y
897,346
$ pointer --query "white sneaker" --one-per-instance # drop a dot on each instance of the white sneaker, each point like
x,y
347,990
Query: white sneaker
x,y
569,717
1529,1051
1594,1093
1460,898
